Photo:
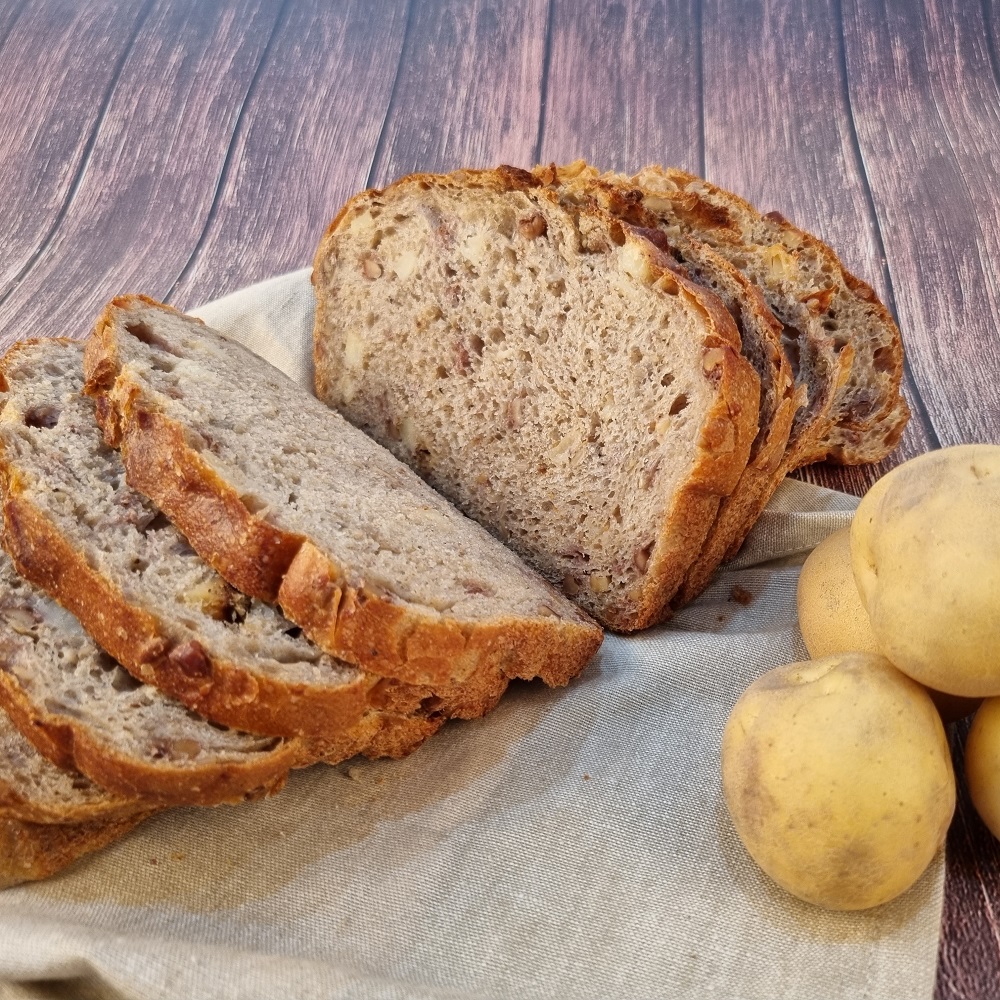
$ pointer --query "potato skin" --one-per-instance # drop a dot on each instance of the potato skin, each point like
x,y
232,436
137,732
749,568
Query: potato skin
x,y
982,763
838,778
925,548
832,618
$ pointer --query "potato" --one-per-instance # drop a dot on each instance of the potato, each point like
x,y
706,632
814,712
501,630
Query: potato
x,y
838,779
982,763
925,546
832,618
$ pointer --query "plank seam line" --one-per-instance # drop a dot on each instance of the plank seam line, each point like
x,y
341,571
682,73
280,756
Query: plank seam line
x,y
543,100
81,170
13,22
373,163
223,174
702,142
890,291
991,49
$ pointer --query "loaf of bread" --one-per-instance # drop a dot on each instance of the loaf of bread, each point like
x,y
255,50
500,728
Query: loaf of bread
x,y
544,367
843,342
289,502
760,335
49,817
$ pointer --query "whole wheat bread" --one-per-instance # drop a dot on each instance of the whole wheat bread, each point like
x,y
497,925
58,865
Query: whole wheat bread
x,y
50,817
77,531
289,502
83,712
760,336
545,368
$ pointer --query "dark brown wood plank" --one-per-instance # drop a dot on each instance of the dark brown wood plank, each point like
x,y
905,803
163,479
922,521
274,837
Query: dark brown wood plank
x,y
304,145
779,131
623,86
469,88
968,964
43,144
149,177
927,106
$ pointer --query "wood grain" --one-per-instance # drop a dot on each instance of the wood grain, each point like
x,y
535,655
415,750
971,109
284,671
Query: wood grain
x,y
43,146
926,105
304,144
766,139
969,957
468,92
623,86
146,186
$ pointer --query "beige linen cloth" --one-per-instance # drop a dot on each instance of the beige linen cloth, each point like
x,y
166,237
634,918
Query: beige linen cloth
x,y
574,844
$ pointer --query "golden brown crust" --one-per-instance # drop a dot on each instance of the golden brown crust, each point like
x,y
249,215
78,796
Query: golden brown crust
x,y
871,436
729,431
370,629
31,851
215,688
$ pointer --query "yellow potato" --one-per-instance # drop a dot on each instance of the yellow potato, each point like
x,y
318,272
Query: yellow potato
x,y
838,779
925,547
832,618
982,763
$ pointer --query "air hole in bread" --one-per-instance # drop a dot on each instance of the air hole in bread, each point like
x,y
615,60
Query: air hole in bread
x,y
42,416
477,345
158,523
450,271
496,335
839,343
441,371
884,360
679,404
617,234
144,332
294,632
122,680
667,379
635,355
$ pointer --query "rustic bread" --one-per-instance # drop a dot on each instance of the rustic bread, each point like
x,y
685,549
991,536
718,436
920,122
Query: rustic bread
x,y
367,559
760,336
77,531
83,712
842,340
546,369
50,817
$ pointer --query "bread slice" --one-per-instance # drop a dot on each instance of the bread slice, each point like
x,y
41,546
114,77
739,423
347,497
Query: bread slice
x,y
544,367
846,347
760,336
83,712
50,817
289,502
77,531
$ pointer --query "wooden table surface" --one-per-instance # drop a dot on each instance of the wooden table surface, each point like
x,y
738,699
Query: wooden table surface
x,y
185,148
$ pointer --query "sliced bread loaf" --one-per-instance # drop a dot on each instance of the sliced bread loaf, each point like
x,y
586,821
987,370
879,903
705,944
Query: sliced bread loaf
x,y
760,336
544,367
83,712
77,531
844,343
50,817
289,502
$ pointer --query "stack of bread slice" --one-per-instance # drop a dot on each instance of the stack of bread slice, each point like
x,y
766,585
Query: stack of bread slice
x,y
136,676
612,374
211,577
